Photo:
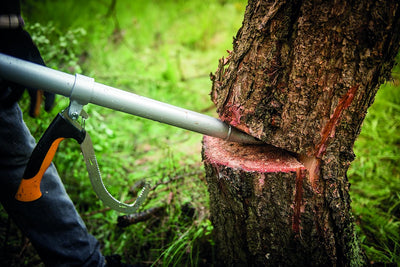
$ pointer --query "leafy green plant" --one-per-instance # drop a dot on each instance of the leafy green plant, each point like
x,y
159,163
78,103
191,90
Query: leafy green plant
x,y
61,50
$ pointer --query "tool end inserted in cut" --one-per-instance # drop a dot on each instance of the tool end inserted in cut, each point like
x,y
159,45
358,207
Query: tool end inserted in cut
x,y
234,135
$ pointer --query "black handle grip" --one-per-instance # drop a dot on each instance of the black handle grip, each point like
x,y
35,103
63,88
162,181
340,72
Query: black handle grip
x,y
42,156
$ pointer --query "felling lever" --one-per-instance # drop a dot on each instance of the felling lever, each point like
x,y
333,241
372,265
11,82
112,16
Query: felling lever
x,y
63,126
83,90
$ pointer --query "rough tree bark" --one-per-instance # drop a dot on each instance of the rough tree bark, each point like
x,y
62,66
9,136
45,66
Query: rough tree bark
x,y
301,77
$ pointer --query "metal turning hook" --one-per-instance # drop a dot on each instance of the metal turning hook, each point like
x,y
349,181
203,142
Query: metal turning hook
x,y
98,185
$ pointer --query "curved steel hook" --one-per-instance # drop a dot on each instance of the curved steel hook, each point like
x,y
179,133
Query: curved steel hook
x,y
98,185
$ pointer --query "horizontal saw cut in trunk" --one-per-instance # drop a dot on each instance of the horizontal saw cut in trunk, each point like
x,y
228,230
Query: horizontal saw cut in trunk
x,y
262,205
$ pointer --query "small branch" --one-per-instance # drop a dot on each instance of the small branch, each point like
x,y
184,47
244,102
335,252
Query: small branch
x,y
111,9
133,189
126,220
175,178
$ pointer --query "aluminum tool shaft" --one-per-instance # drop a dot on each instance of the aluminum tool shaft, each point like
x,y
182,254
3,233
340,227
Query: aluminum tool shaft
x,y
85,90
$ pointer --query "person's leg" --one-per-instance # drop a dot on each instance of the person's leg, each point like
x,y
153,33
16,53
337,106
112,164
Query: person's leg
x,y
51,222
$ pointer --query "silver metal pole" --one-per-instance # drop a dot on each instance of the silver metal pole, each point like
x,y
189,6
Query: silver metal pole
x,y
85,90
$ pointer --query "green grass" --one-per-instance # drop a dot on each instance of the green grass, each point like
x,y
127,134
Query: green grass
x,y
165,50
375,177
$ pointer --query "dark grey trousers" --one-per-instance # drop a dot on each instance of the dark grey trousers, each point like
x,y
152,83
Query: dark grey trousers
x,y
51,222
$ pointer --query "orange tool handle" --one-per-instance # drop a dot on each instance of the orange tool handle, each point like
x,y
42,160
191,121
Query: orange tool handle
x,y
42,156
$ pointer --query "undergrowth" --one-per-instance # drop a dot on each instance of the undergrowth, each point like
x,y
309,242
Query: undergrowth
x,y
165,50
375,177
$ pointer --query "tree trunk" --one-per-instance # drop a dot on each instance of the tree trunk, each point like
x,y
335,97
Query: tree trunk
x,y
301,77
257,196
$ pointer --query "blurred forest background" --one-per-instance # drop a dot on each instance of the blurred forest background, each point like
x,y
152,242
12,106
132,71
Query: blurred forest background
x,y
166,50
